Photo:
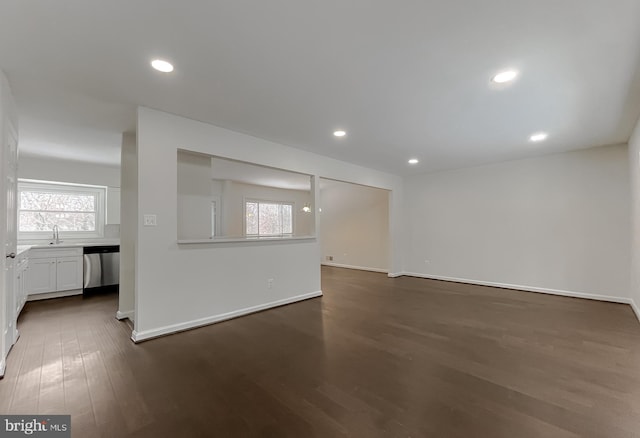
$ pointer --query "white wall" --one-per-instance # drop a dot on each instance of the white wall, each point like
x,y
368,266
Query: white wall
x,y
181,286
354,225
234,194
557,223
50,169
128,226
634,166
194,196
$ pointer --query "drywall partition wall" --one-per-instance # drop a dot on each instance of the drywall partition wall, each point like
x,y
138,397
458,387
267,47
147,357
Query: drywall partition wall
x,y
128,226
634,166
51,169
183,286
557,223
355,226
194,196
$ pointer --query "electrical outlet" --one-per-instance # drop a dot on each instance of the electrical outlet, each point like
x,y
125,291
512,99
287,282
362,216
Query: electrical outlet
x,y
329,258
270,283
150,220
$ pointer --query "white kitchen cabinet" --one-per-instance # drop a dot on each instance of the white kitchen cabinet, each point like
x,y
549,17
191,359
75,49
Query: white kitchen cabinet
x,y
68,273
54,270
20,285
113,206
42,276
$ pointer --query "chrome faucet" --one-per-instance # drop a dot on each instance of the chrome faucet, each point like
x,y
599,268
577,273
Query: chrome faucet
x,y
56,234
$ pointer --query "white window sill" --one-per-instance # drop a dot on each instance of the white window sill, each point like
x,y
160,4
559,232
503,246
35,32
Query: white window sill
x,y
244,239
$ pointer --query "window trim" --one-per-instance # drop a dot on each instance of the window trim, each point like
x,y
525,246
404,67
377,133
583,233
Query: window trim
x,y
100,193
267,201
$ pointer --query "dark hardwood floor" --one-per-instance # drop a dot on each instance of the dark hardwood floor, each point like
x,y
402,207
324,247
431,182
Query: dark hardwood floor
x,y
374,357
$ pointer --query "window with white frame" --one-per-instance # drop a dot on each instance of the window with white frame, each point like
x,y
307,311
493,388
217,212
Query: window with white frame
x,y
268,218
77,210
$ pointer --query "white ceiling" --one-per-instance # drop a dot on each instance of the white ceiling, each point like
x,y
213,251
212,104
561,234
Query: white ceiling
x,y
405,79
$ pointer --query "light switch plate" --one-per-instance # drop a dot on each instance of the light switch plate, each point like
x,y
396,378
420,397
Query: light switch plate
x,y
150,220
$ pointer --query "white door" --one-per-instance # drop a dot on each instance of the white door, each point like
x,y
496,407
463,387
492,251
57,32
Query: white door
x,y
10,161
4,344
69,273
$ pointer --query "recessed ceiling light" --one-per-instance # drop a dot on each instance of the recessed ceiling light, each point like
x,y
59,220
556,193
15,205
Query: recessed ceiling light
x,y
339,133
539,136
162,65
414,161
505,76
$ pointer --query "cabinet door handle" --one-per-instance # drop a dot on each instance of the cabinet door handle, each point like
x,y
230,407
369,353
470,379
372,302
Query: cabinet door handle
x,y
11,255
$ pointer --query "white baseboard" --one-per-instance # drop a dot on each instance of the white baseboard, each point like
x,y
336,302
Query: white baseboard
x,y
635,308
359,268
125,315
144,335
395,274
3,365
565,293
46,296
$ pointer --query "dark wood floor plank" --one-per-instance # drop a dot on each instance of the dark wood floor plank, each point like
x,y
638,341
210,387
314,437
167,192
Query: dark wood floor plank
x,y
374,357
132,404
51,400
76,390
12,373
27,389
103,399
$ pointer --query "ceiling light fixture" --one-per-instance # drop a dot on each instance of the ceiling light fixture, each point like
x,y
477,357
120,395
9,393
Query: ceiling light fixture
x,y
505,76
539,136
414,161
339,133
162,65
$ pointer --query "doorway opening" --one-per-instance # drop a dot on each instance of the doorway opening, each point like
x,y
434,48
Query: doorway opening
x,y
354,226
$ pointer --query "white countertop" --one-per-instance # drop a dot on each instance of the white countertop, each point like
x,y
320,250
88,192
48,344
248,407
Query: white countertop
x,y
22,248
71,244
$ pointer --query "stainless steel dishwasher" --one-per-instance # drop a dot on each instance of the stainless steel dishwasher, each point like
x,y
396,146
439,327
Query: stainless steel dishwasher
x,y
101,268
